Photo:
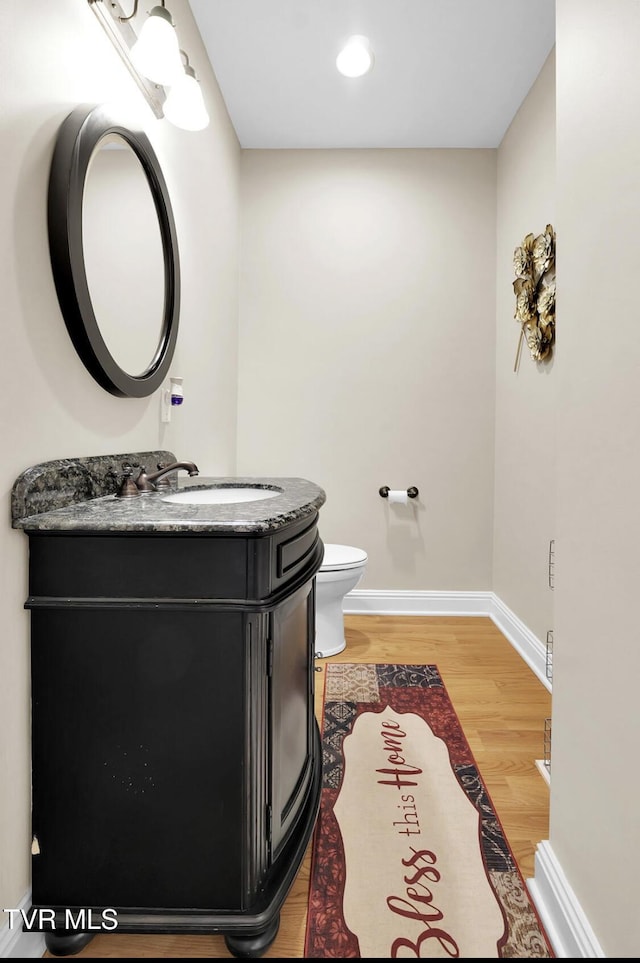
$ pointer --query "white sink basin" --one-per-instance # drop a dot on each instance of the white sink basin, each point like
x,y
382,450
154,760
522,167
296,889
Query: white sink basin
x,y
220,496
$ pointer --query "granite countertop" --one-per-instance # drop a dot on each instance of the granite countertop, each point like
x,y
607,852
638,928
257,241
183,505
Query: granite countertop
x,y
297,498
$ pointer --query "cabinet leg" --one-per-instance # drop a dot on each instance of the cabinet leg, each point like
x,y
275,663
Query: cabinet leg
x,y
244,945
66,942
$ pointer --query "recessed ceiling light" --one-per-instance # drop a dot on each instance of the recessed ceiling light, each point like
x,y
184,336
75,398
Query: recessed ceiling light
x,y
356,57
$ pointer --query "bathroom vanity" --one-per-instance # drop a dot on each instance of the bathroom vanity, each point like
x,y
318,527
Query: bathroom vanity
x,y
176,756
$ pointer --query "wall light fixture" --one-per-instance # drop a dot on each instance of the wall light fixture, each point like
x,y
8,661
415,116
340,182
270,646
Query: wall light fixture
x,y
156,52
154,58
184,105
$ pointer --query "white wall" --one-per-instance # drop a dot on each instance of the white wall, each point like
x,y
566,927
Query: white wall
x,y
525,452
367,318
53,57
595,783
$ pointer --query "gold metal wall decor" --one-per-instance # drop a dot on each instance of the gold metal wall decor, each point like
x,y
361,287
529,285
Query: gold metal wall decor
x,y
534,264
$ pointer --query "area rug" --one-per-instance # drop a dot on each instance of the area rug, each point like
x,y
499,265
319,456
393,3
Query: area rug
x,y
409,858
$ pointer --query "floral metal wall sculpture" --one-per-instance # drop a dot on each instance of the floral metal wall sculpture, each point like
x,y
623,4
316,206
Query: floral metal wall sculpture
x,y
534,264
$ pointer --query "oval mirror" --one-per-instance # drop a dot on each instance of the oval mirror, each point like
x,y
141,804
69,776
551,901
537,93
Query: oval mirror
x,y
114,251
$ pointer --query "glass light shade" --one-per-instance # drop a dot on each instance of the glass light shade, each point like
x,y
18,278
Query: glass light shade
x,y
356,57
184,105
156,52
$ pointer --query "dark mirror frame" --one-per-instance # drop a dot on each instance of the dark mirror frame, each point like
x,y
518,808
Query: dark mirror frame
x,y
78,137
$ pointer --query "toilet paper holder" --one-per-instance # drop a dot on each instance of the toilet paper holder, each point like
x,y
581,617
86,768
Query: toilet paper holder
x,y
411,492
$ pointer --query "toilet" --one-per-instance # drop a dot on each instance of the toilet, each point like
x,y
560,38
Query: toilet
x,y
342,568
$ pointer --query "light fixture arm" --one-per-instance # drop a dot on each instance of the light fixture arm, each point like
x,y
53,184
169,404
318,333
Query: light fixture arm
x,y
188,69
135,11
131,15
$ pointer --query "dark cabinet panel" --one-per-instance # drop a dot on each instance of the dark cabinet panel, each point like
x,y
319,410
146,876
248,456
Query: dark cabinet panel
x,y
138,722
293,551
146,566
291,709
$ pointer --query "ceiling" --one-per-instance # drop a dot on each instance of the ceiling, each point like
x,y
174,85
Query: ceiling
x,y
447,73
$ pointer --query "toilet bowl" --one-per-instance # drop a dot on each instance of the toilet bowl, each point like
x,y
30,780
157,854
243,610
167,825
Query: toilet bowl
x,y
342,568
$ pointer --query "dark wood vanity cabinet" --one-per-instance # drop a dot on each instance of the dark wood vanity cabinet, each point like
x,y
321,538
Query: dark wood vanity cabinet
x,y
176,756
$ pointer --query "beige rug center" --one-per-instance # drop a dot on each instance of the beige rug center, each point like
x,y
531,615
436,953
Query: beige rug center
x,y
416,884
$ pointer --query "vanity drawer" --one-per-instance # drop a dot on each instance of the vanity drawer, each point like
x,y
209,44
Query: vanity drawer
x,y
134,566
294,551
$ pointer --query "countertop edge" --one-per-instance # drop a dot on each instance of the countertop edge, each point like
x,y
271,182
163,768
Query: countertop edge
x,y
150,514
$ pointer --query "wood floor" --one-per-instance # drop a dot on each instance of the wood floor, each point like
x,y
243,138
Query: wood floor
x,y
501,706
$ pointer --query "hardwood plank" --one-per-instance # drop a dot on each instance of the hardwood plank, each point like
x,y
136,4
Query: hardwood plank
x,y
501,706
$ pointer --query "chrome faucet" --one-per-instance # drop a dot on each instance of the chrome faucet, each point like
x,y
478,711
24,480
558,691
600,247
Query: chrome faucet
x,y
148,483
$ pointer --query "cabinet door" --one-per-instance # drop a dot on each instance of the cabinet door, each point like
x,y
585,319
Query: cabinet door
x,y
292,710
138,742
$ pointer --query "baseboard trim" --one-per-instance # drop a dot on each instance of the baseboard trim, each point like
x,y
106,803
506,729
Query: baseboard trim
x,y
16,944
544,771
532,650
403,602
561,914
398,602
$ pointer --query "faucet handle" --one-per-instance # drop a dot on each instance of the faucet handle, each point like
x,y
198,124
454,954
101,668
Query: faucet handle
x,y
128,487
